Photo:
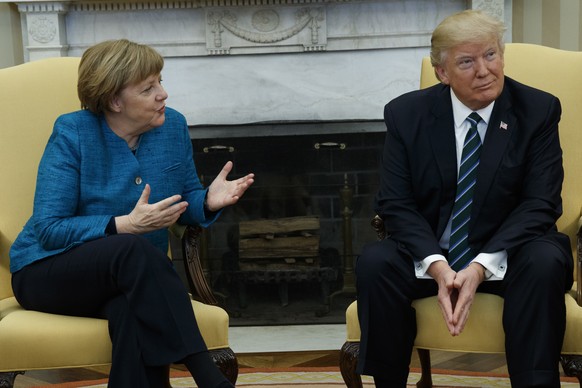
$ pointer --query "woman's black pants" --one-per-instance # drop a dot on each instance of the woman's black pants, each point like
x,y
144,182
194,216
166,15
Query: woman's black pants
x,y
131,283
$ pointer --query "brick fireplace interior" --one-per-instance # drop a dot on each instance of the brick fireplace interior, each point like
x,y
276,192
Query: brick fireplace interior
x,y
296,175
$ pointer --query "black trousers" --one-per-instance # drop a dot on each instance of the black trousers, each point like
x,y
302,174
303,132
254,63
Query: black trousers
x,y
131,283
534,316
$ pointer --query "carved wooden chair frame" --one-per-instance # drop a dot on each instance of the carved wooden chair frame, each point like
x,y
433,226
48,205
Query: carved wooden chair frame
x,y
201,291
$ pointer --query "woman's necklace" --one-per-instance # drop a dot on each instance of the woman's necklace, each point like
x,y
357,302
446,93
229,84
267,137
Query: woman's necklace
x,y
135,145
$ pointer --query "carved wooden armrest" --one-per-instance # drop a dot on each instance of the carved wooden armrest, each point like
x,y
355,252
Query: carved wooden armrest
x,y
378,225
578,263
199,287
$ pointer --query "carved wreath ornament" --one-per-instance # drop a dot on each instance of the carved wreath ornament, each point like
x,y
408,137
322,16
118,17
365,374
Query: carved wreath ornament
x,y
265,20
265,23
42,29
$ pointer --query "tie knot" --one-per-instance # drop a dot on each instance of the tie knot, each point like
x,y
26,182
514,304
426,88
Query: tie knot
x,y
474,118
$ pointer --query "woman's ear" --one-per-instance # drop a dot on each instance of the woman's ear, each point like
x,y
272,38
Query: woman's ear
x,y
115,104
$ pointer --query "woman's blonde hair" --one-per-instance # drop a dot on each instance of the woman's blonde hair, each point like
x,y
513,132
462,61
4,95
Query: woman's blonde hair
x,y
107,67
470,26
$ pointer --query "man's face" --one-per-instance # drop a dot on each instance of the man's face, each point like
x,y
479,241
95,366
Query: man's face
x,y
475,73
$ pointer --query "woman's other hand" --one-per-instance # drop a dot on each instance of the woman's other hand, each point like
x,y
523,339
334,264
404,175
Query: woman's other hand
x,y
222,193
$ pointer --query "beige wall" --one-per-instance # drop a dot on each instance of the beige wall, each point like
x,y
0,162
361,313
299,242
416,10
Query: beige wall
x,y
554,23
10,36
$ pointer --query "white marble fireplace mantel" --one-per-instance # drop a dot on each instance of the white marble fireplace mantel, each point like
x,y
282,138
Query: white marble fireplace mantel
x,y
234,62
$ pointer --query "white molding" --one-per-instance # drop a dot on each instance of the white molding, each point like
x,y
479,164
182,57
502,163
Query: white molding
x,y
43,7
233,62
237,36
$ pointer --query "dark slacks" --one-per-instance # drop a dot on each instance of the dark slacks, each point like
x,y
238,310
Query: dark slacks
x,y
131,283
534,313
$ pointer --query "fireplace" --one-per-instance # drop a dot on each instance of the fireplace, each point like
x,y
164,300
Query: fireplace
x,y
328,177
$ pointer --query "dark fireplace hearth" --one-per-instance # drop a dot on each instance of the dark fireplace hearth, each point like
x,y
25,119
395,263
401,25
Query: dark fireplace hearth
x,y
303,223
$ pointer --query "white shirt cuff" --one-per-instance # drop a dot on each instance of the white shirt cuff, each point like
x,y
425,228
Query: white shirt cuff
x,y
495,265
420,267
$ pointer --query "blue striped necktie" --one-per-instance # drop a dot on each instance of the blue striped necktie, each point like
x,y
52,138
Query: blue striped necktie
x,y
459,252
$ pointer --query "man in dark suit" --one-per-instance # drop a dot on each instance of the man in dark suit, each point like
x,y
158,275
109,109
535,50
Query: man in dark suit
x,y
506,244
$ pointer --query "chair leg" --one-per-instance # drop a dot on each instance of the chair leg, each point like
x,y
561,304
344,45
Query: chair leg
x,y
168,378
426,374
7,379
348,362
226,361
572,366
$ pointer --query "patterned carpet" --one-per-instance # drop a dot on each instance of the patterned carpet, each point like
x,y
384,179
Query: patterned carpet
x,y
328,378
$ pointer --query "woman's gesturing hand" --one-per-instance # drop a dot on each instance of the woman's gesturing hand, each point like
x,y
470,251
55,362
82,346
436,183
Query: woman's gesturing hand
x,y
146,217
222,193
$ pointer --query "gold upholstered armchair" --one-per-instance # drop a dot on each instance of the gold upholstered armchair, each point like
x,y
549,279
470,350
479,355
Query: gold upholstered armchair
x,y
31,97
560,73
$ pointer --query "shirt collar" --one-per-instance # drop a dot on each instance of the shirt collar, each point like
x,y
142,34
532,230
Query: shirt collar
x,y
460,111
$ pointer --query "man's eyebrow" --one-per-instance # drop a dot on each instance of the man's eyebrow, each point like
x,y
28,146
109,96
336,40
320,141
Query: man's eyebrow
x,y
463,56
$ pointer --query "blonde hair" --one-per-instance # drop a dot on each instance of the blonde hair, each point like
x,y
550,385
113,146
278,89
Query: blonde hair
x,y
107,67
470,26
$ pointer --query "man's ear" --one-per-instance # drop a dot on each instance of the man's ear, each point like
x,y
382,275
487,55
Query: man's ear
x,y
442,74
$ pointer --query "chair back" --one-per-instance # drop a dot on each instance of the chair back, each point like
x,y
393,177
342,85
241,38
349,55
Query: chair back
x,y
32,95
558,72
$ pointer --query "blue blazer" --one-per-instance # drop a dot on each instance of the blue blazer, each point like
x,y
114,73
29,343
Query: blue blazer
x,y
88,174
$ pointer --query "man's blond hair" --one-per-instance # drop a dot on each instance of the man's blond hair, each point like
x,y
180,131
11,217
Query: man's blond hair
x,y
470,26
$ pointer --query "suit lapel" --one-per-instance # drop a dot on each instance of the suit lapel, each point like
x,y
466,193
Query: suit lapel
x,y
499,130
442,140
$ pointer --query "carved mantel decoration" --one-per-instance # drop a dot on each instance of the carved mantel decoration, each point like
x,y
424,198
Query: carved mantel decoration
x,y
42,29
221,27
251,30
233,62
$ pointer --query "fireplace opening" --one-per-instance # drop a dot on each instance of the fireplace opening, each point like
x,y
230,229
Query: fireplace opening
x,y
284,254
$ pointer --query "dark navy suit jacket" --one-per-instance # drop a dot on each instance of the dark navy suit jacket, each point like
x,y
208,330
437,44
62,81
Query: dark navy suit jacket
x,y
518,194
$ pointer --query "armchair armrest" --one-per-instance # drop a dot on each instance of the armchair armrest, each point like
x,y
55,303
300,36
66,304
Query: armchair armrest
x,y
578,263
189,246
378,225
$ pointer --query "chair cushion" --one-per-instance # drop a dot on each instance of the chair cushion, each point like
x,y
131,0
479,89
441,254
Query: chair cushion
x,y
34,340
213,324
483,332
573,338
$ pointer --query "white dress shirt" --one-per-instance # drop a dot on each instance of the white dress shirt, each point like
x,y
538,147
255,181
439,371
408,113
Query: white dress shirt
x,y
495,263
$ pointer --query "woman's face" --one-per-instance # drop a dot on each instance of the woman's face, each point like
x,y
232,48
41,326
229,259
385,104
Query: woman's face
x,y
143,104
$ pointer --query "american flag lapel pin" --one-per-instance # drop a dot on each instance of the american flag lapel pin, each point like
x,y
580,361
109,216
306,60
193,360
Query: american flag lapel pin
x,y
503,125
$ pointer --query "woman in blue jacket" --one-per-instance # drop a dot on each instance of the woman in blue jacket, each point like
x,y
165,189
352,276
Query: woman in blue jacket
x,y
114,176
